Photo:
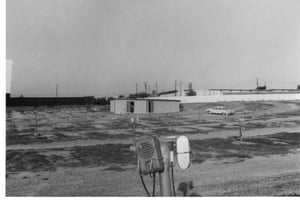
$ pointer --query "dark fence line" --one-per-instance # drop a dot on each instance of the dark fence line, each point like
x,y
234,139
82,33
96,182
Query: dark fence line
x,y
49,101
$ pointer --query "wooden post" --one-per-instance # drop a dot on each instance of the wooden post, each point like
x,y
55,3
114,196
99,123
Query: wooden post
x,y
241,130
134,121
133,131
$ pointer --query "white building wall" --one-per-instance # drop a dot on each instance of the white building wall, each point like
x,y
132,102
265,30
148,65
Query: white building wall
x,y
112,105
165,106
120,106
208,92
230,98
140,107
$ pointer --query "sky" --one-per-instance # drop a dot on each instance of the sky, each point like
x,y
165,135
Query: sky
x,y
105,47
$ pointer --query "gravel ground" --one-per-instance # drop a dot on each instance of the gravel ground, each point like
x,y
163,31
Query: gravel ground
x,y
275,175
261,176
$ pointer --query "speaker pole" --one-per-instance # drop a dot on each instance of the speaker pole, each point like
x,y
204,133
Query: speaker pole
x,y
164,176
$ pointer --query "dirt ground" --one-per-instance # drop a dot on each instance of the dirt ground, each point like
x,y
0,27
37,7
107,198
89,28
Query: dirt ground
x,y
85,151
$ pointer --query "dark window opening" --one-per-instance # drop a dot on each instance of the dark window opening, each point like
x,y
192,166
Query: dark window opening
x,y
150,106
130,106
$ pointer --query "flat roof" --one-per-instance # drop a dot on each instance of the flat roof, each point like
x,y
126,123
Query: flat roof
x,y
149,99
255,90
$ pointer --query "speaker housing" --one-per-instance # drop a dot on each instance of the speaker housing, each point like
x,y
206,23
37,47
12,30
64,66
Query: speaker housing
x,y
149,155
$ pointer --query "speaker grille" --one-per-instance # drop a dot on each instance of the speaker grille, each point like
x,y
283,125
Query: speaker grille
x,y
146,150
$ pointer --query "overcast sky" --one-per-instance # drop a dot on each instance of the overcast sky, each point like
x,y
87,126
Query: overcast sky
x,y
105,47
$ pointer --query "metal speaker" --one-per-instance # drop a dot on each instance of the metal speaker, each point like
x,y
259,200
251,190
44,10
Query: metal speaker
x,y
149,155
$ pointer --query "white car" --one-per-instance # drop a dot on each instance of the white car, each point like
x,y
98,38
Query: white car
x,y
220,110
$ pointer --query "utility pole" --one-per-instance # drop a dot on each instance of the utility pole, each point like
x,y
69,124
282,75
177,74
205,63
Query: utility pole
x,y
56,92
136,89
180,88
175,87
146,87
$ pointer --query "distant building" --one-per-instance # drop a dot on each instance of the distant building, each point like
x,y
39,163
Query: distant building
x,y
231,95
144,106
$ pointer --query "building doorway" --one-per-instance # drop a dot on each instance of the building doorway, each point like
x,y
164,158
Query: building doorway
x,y
130,106
150,106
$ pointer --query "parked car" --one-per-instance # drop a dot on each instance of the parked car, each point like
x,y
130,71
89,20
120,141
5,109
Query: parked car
x,y
220,110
